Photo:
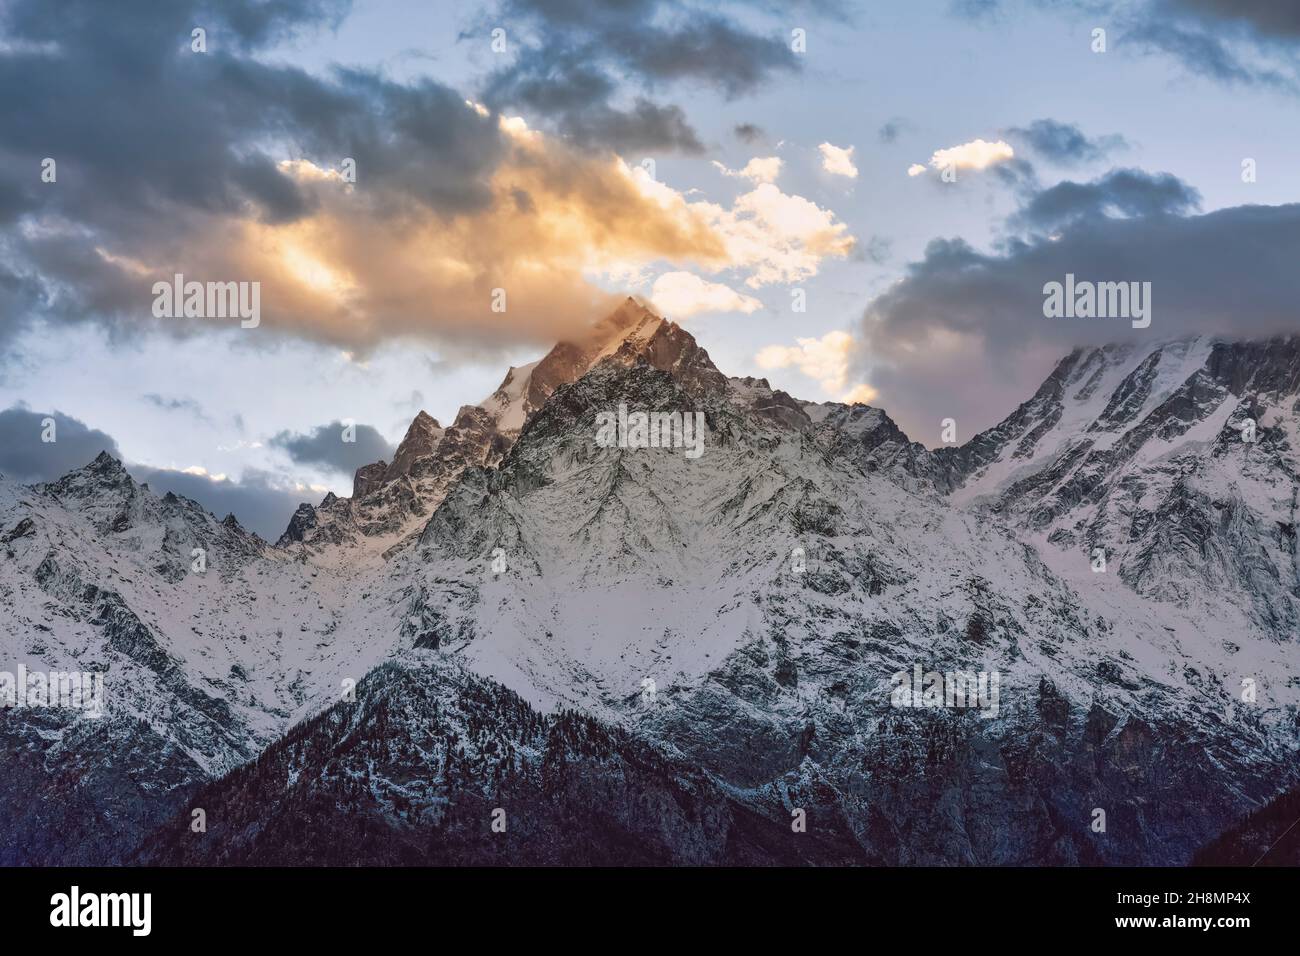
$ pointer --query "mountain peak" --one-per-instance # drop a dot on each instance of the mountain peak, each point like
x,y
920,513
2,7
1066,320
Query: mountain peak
x,y
431,455
526,388
421,439
106,464
424,420
629,313
104,471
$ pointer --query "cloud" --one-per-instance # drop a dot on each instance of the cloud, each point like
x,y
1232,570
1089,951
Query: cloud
x,y
1265,17
749,133
860,395
758,170
826,360
680,295
644,127
1236,42
1064,143
25,457
779,237
1252,42
1123,192
327,446
977,155
228,166
963,335
767,235
572,60
838,161
191,142
367,265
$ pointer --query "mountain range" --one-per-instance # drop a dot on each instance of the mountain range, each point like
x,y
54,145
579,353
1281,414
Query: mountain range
x,y
512,645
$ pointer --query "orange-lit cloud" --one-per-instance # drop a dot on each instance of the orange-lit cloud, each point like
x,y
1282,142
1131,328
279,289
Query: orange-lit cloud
x,y
826,360
562,227
680,295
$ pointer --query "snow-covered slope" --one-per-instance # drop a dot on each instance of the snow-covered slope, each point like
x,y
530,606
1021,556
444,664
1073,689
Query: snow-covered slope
x,y
627,566
742,613
1147,455
209,643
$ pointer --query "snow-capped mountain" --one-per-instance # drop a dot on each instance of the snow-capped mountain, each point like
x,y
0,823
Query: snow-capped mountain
x,y
1181,462
391,500
728,626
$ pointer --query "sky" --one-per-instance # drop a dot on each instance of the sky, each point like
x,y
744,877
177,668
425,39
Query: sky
x,y
859,202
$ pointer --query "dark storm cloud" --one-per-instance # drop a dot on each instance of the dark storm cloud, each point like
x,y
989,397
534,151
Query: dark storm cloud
x,y
258,502
1124,192
964,330
324,446
152,140
1064,143
749,133
574,58
25,457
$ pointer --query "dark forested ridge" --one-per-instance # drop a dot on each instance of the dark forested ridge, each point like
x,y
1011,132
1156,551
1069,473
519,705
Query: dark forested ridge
x,y
413,771
1268,837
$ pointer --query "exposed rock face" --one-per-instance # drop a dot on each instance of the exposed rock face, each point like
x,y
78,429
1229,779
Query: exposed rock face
x,y
512,588
21,530
870,437
369,478
300,525
421,440
769,403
